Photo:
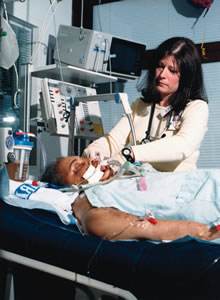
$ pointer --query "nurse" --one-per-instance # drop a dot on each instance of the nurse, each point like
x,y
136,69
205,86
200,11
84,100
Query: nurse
x,y
170,119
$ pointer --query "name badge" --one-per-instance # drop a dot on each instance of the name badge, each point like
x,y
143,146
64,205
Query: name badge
x,y
165,111
174,122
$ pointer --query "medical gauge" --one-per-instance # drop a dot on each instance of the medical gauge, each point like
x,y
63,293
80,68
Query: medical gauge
x,y
117,97
56,100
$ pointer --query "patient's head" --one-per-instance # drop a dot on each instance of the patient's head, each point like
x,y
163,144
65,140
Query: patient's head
x,y
70,171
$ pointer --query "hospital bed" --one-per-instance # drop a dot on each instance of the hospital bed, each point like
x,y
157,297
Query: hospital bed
x,y
33,241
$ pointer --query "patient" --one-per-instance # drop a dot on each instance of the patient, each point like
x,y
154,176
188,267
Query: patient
x,y
183,203
71,169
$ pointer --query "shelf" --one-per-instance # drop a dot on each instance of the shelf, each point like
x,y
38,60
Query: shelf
x,y
73,75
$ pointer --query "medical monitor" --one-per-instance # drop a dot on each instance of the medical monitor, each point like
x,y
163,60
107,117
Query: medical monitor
x,y
99,52
126,58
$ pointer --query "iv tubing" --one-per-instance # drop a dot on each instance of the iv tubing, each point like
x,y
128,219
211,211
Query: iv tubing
x,y
43,30
42,148
43,152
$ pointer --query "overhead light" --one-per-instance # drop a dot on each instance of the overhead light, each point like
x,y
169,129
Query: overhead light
x,y
9,119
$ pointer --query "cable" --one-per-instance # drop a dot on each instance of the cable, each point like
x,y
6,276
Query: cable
x,y
100,25
17,88
132,128
109,61
67,113
148,216
5,11
112,235
43,30
58,52
43,152
82,8
42,148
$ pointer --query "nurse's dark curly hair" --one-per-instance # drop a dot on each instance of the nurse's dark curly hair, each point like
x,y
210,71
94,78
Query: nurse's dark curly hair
x,y
52,176
191,84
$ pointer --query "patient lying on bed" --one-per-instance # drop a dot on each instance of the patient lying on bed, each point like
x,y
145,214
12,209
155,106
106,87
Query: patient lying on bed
x,y
170,206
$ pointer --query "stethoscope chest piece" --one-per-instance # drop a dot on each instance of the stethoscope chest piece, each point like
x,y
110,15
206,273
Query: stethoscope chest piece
x,y
147,139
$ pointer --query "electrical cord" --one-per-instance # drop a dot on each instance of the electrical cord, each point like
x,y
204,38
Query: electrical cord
x,y
66,113
17,88
44,29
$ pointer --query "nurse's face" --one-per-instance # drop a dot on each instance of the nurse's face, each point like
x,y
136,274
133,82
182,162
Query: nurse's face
x,y
167,77
72,168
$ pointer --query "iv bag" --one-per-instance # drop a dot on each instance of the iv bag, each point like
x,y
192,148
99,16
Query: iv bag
x,y
9,50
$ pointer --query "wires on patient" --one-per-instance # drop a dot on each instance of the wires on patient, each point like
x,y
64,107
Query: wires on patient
x,y
113,235
109,236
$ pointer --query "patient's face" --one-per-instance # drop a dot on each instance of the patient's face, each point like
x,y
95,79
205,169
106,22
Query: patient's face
x,y
74,167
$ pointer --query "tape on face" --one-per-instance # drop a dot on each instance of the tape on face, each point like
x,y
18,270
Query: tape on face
x,y
93,175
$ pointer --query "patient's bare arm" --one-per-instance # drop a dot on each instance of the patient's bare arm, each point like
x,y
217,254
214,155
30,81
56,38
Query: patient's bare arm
x,y
113,224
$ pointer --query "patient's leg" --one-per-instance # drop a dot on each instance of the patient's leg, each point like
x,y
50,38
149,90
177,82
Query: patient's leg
x,y
113,224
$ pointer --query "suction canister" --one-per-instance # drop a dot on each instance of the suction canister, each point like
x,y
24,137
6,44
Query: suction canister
x,y
19,169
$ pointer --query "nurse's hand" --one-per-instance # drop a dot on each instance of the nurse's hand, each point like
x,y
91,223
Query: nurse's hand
x,y
93,152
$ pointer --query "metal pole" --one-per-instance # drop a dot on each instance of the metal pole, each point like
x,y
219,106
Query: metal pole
x,y
27,98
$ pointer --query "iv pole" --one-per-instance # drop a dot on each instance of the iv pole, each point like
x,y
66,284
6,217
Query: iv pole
x,y
27,97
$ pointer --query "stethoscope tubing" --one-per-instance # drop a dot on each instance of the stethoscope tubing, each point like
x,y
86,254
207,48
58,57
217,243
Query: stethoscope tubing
x,y
172,115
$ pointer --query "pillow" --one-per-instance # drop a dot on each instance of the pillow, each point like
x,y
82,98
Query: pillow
x,y
29,196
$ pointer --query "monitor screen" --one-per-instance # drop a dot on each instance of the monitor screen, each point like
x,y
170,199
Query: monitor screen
x,y
126,57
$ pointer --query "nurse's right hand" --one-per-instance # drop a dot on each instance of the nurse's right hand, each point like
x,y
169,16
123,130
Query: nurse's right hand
x,y
93,152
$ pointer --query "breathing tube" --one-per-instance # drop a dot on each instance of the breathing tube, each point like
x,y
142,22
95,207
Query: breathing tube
x,y
93,176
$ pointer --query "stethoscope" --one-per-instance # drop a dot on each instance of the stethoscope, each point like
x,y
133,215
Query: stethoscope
x,y
172,124
147,138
